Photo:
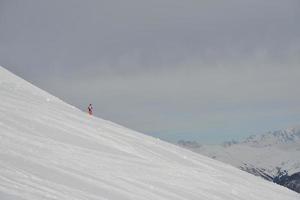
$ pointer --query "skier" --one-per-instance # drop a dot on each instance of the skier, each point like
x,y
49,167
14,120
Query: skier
x,y
90,109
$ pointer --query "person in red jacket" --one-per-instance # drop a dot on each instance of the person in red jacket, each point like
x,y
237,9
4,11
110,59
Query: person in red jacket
x,y
90,109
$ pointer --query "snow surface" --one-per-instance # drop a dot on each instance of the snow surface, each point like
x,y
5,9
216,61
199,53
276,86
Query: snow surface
x,y
51,150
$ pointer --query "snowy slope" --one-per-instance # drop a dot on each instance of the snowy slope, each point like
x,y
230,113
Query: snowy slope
x,y
51,150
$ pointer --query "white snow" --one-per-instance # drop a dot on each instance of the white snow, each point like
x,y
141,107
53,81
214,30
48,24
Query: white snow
x,y
51,150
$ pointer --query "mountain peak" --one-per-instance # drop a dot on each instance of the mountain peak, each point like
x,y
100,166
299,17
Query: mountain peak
x,y
279,137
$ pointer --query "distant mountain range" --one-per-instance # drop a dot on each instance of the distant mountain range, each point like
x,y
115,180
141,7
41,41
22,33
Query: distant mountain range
x,y
275,156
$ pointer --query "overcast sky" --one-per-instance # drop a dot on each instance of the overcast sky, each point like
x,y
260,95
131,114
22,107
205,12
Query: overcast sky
x,y
202,70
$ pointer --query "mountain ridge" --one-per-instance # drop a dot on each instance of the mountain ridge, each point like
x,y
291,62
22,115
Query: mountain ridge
x,y
279,137
274,155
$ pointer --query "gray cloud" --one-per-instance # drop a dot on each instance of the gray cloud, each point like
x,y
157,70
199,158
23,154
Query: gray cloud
x,y
171,68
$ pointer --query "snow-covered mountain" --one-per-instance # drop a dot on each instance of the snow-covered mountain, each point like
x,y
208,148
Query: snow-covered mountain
x,y
51,150
274,156
288,138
